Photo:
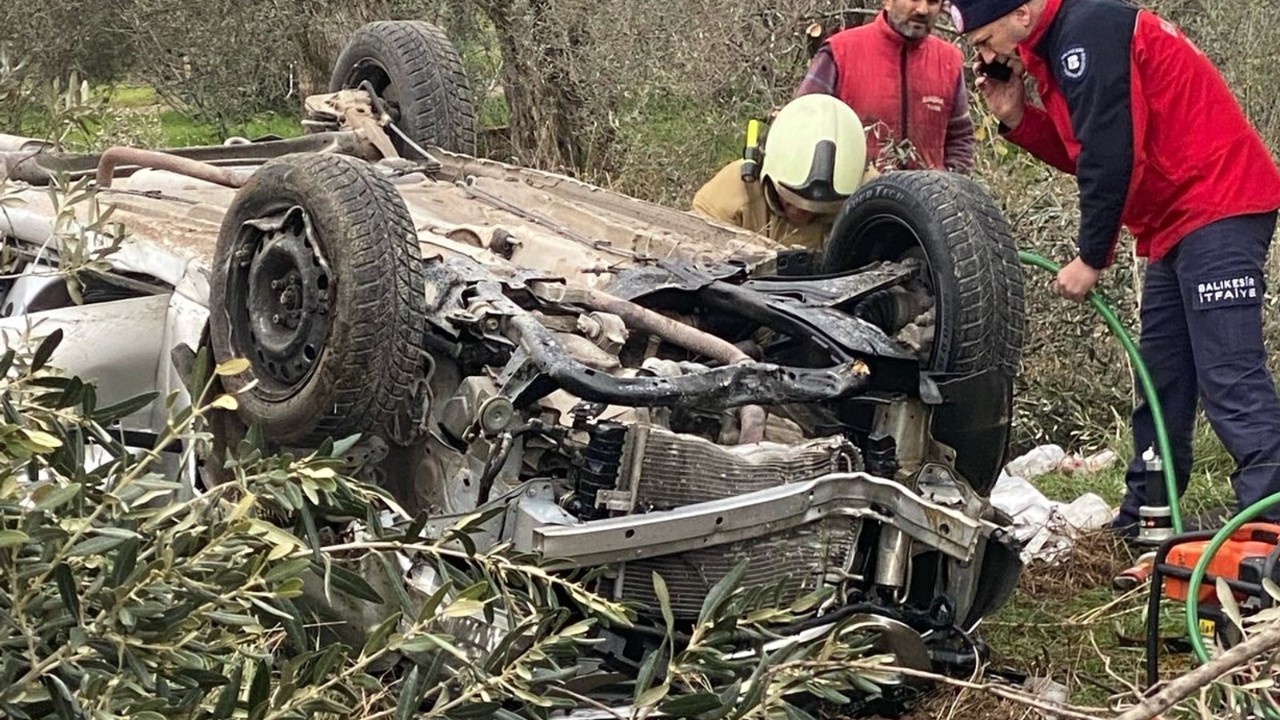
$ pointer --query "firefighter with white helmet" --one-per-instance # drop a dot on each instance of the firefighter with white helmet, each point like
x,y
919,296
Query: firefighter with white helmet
x,y
815,156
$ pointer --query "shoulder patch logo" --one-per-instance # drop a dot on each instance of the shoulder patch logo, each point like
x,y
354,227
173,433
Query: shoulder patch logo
x,y
1075,62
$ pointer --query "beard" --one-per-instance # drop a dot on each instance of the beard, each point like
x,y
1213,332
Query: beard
x,y
911,31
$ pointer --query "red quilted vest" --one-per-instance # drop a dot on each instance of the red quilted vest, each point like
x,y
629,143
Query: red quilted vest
x,y
899,88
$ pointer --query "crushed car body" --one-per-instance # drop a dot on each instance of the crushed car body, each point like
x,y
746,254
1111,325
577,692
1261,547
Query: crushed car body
x,y
611,383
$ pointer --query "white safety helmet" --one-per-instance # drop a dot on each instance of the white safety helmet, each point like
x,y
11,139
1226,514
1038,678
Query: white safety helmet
x,y
814,155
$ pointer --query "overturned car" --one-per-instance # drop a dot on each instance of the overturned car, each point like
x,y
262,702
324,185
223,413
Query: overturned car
x,y
624,386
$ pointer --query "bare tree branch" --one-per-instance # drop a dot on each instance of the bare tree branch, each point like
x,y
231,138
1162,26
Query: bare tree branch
x,y
1229,662
1001,691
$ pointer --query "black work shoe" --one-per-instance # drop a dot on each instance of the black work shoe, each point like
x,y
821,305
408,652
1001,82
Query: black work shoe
x,y
1124,526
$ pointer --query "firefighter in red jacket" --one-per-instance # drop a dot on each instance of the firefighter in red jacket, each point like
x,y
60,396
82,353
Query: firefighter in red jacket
x,y
906,85
1159,144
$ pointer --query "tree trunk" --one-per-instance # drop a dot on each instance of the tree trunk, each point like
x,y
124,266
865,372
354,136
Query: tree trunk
x,y
541,49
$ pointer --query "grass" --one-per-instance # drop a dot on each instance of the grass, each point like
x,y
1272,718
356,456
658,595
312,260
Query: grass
x,y
693,146
1210,487
136,116
493,111
180,129
1066,623
132,96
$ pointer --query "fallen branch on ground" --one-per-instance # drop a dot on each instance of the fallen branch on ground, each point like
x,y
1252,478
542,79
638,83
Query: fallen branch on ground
x,y
1001,691
1183,687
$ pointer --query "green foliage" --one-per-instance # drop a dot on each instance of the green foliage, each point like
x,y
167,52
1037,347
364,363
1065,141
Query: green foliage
x,y
75,116
133,96
57,39
68,112
220,61
1075,387
181,129
56,111
82,237
673,144
83,232
124,595
1067,623
666,93
703,677
104,586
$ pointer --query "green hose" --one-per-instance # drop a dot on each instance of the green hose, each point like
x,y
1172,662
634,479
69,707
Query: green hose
x,y
1197,577
1202,567
1144,379
1166,453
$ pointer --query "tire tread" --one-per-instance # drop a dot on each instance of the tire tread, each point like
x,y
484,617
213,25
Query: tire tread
x,y
983,325
436,102
367,377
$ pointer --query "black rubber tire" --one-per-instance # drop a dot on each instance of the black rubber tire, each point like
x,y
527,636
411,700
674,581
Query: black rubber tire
x,y
974,285
995,227
365,375
417,70
986,448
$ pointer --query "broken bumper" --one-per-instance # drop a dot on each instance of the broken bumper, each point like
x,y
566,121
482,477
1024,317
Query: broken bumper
x,y
761,513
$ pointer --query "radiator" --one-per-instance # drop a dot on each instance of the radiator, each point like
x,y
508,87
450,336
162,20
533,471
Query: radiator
x,y
671,470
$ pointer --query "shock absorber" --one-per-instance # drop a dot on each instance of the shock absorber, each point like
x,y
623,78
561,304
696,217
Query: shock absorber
x,y
599,469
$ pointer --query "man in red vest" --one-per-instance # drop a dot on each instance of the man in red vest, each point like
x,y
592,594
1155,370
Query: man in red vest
x,y
906,86
1158,144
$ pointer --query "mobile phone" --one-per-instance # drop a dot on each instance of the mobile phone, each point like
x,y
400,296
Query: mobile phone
x,y
997,71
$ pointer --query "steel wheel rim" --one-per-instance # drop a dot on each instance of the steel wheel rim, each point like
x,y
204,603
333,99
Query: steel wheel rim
x,y
279,301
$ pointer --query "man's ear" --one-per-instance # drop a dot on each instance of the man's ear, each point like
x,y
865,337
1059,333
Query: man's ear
x,y
1022,15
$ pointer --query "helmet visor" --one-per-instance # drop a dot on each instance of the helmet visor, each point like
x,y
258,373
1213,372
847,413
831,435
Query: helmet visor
x,y
817,207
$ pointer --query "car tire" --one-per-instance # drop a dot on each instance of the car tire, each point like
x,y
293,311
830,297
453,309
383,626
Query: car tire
x,y
417,71
977,282
317,282
995,227
973,270
981,427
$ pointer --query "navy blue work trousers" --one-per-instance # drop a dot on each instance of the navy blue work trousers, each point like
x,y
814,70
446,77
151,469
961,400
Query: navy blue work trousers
x,y
1202,341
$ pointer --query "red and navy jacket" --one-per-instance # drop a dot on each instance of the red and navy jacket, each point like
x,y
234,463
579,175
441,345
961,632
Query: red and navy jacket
x,y
1145,122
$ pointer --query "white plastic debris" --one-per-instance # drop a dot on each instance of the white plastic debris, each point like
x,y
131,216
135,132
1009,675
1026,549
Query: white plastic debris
x,y
1100,461
1047,528
1048,690
1053,459
1040,461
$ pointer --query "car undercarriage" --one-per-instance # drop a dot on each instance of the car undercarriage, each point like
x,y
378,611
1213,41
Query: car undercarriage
x,y
610,384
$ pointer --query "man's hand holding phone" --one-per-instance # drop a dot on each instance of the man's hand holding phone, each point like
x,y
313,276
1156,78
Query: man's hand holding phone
x,y
998,71
1001,86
